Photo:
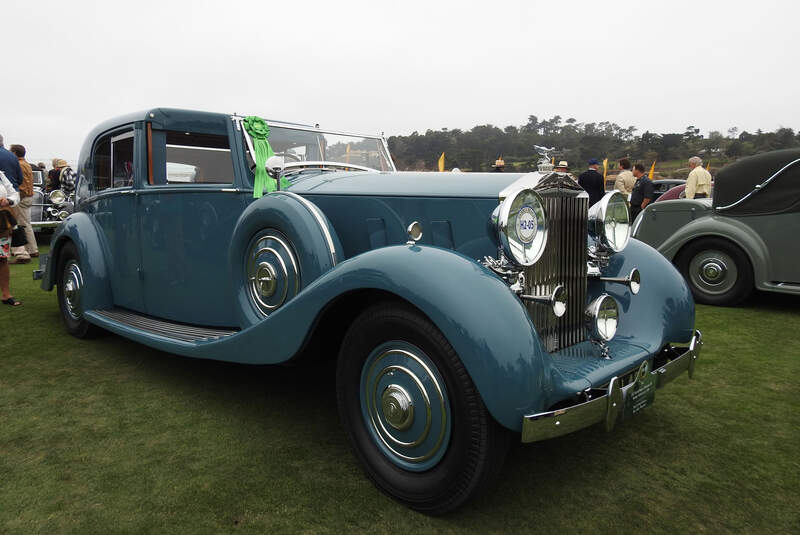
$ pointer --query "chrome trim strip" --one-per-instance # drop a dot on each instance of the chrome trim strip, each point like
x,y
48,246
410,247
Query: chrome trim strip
x,y
45,224
759,187
326,164
320,221
606,408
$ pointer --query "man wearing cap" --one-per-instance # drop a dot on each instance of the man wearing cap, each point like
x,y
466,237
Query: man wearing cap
x,y
10,166
592,181
698,183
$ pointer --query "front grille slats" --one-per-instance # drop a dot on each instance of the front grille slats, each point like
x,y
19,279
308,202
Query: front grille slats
x,y
563,262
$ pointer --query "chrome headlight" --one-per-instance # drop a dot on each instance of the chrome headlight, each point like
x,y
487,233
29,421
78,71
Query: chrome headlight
x,y
57,197
609,223
602,316
522,227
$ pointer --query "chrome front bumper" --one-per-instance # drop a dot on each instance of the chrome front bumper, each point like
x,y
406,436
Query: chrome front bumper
x,y
616,402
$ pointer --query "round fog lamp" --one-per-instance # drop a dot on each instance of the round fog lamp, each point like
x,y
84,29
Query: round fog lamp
x,y
602,316
559,301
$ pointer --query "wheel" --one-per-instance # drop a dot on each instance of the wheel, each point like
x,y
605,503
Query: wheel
x,y
718,272
70,286
414,419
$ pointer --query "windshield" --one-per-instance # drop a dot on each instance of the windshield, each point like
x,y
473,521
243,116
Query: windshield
x,y
311,145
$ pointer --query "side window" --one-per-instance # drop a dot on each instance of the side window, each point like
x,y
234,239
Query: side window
x,y
191,158
122,160
113,161
102,164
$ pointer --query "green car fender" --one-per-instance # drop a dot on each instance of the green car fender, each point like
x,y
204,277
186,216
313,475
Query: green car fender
x,y
726,228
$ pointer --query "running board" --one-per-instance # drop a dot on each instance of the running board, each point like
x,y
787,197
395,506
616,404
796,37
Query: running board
x,y
165,328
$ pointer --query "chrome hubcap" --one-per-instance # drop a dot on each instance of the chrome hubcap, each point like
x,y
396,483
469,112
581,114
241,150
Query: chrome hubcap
x,y
273,273
405,406
73,284
266,279
397,407
713,272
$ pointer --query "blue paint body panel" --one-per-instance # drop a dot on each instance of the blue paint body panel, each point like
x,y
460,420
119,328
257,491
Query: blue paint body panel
x,y
177,252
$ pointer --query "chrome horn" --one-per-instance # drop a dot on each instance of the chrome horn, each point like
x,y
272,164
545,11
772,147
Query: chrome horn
x,y
633,280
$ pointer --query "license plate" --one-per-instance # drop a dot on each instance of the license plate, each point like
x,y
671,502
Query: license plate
x,y
642,393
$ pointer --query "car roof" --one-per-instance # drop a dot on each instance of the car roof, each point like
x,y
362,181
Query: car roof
x,y
736,181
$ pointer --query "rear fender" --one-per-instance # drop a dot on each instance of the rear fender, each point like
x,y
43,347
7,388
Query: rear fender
x,y
727,228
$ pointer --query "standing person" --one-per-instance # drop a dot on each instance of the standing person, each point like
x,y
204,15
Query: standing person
x,y
8,198
10,166
592,181
22,212
499,165
643,191
61,176
698,183
625,179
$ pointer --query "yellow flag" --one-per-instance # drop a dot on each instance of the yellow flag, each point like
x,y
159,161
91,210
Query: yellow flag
x,y
441,163
347,154
553,160
708,166
605,168
652,170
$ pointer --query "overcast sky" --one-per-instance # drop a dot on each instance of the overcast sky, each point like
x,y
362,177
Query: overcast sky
x,y
372,66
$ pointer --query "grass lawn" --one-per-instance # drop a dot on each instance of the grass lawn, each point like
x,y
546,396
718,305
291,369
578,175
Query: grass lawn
x,y
107,435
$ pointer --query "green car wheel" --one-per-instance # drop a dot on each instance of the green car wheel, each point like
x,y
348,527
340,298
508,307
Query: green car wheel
x,y
718,272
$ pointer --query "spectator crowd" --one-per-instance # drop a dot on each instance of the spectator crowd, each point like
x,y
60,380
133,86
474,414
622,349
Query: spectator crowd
x,y
17,238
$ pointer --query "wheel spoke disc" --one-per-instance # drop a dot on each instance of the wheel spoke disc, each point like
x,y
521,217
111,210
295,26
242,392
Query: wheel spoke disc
x,y
404,405
713,272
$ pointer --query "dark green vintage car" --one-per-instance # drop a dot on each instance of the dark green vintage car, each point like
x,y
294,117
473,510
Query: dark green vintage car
x,y
745,238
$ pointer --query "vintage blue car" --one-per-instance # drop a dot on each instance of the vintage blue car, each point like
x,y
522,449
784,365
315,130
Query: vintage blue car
x,y
463,310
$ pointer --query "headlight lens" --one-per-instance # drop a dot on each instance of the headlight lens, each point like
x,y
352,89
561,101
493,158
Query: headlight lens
x,y
522,227
602,316
609,223
57,196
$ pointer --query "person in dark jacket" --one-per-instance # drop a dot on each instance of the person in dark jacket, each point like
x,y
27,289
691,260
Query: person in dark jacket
x,y
592,181
9,164
643,191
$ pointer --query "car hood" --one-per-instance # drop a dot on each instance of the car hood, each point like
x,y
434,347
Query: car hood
x,y
405,184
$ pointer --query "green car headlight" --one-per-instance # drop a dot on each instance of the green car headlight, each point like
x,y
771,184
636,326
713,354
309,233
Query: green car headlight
x,y
522,227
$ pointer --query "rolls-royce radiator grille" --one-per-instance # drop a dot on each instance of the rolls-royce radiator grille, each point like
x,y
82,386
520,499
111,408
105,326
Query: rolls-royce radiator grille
x,y
563,262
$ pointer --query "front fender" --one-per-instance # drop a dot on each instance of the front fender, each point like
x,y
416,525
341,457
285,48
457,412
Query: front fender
x,y
662,311
485,323
80,229
728,228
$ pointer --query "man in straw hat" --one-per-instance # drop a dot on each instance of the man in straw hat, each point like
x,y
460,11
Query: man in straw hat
x,y
61,176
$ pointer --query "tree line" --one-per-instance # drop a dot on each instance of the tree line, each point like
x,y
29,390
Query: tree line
x,y
476,149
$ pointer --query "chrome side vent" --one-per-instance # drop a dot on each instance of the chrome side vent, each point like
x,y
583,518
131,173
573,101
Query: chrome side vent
x,y
563,262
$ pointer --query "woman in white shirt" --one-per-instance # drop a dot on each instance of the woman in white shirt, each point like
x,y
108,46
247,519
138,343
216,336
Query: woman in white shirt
x,y
8,198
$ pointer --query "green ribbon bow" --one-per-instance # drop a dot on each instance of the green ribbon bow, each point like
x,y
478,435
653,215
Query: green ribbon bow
x,y
258,130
